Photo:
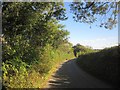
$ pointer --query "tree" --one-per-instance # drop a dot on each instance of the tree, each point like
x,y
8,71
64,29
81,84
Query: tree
x,y
79,49
27,25
91,12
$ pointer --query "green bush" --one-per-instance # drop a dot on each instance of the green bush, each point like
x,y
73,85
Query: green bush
x,y
102,64
18,74
34,42
82,50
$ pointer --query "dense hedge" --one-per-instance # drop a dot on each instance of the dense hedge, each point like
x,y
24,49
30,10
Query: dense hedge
x,y
102,64
33,42
18,74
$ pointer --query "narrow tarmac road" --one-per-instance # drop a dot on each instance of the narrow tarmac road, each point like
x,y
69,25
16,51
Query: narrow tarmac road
x,y
69,75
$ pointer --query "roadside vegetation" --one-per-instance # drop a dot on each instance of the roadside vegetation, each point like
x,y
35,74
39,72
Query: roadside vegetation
x,y
82,50
34,43
102,64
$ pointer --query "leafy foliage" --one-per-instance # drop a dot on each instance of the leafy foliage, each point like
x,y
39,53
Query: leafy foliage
x,y
33,37
90,12
81,50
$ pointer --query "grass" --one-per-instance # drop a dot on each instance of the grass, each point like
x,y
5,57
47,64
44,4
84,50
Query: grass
x,y
102,64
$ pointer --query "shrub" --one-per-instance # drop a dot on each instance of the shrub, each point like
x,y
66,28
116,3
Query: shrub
x,y
102,64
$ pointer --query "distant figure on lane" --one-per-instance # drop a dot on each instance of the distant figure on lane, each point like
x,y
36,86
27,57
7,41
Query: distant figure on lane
x,y
75,53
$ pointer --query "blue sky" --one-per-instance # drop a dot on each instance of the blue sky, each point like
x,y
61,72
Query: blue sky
x,y
96,37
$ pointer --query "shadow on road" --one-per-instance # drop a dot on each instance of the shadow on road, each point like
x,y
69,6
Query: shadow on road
x,y
69,75
61,77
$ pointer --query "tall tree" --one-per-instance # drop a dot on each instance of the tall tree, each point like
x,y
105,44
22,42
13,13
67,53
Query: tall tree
x,y
27,25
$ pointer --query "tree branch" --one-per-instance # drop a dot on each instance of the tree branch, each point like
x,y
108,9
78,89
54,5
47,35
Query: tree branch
x,y
88,6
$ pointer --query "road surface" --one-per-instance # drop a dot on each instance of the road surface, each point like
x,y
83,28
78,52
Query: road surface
x,y
69,75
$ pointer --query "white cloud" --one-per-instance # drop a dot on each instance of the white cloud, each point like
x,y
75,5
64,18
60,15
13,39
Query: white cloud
x,y
98,43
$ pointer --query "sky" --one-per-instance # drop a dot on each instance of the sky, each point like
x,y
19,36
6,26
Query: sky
x,y
96,37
